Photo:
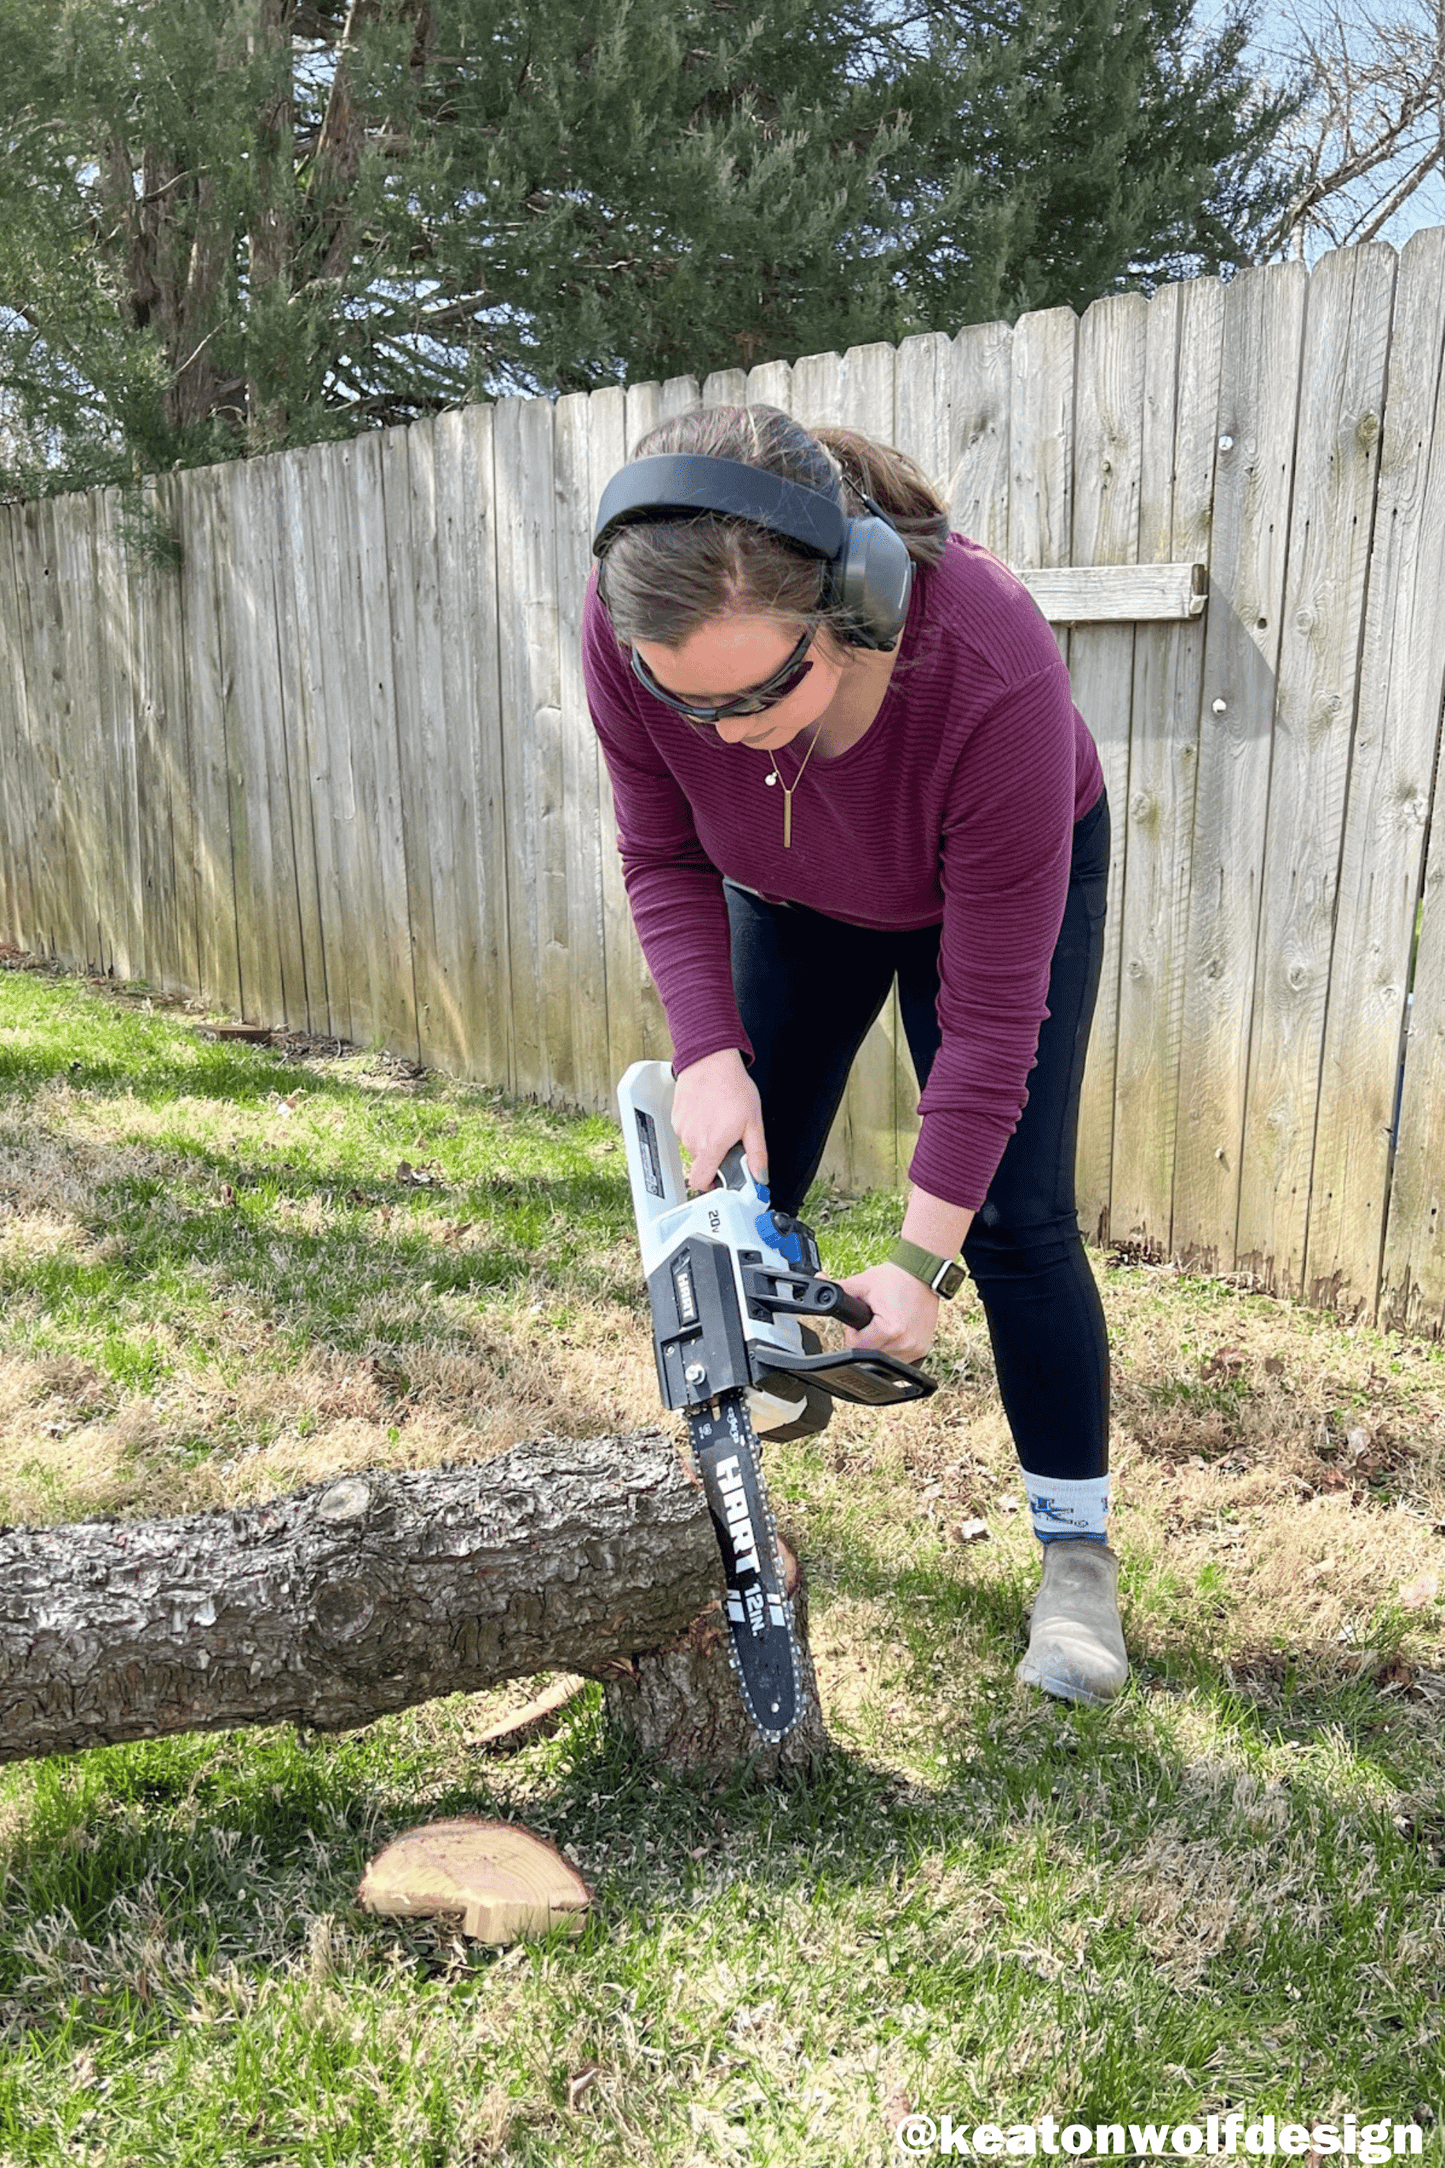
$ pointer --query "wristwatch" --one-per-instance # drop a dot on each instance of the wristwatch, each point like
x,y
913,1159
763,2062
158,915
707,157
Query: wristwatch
x,y
943,1274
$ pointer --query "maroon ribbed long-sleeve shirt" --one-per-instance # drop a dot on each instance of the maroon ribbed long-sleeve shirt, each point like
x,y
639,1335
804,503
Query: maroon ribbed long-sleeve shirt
x,y
957,804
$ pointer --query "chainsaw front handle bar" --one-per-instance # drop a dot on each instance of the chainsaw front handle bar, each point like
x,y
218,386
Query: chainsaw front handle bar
x,y
826,1298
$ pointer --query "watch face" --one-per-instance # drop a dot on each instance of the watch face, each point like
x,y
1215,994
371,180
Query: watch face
x,y
950,1280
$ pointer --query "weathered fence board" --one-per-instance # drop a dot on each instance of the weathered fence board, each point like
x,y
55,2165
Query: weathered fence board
x,y
1263,335
300,578
471,770
378,757
1107,456
427,801
17,886
1407,710
1414,1284
1181,397
532,746
269,935
202,569
294,799
50,871
334,768
975,479
581,756
81,758
1392,764
1346,344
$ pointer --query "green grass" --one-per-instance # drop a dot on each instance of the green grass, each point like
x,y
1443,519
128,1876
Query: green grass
x,y
1226,1889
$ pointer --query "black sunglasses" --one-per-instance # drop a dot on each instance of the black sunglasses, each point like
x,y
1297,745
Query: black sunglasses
x,y
767,695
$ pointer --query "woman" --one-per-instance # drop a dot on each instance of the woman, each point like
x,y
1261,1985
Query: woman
x,y
815,796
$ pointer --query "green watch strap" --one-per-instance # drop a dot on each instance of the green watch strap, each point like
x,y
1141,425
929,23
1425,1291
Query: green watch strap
x,y
944,1275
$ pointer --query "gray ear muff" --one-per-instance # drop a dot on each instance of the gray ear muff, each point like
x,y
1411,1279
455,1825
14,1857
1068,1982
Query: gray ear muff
x,y
871,582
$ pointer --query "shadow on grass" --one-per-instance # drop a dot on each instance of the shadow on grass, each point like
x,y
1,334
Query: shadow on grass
x,y
227,1220
996,1906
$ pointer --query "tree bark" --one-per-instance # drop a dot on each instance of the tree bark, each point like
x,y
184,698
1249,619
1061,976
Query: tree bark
x,y
376,1591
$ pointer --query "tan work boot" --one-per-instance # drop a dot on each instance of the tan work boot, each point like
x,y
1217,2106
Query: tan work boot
x,y
1076,1644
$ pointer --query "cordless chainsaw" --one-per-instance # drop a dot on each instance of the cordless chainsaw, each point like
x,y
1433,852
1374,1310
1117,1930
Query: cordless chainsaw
x,y
733,1287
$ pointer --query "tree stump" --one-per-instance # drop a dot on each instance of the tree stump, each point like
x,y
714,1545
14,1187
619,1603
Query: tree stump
x,y
682,1701
376,1591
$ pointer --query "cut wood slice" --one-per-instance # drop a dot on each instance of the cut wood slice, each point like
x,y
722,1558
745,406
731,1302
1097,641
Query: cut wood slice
x,y
500,1880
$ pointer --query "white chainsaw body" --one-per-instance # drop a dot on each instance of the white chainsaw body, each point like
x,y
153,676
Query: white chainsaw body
x,y
735,1216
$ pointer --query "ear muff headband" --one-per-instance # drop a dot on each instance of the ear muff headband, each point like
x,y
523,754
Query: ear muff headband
x,y
681,484
870,573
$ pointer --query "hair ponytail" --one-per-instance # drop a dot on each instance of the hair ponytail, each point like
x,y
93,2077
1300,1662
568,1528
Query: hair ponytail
x,y
897,484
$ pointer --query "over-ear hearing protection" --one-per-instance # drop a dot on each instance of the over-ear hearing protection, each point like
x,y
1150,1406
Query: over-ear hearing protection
x,y
869,571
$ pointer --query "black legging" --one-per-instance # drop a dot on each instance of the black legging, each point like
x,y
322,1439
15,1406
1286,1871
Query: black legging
x,y
810,988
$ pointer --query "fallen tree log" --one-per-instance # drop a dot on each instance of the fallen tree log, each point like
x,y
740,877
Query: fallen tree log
x,y
373,1592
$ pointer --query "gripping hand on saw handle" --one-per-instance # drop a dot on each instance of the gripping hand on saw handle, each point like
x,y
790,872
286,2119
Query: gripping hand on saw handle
x,y
903,1312
714,1103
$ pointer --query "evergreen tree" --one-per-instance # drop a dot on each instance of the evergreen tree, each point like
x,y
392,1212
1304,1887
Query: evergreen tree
x,y
227,225
1054,155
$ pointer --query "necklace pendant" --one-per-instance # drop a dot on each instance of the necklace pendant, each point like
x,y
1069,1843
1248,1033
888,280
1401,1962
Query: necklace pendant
x,y
787,820
770,780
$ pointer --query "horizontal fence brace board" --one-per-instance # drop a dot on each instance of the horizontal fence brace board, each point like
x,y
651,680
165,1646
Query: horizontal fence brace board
x,y
1117,594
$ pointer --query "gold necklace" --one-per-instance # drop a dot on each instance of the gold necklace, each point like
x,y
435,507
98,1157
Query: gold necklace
x,y
789,788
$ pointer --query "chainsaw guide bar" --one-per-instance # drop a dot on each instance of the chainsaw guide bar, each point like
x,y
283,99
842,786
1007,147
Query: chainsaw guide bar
x,y
762,1642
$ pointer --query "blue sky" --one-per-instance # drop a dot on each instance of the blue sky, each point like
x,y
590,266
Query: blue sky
x,y
1277,40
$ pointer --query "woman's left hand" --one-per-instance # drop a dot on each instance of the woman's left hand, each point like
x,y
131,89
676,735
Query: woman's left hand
x,y
905,1312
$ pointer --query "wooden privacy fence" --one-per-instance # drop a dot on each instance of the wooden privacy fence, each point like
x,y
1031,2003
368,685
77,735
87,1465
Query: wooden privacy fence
x,y
332,766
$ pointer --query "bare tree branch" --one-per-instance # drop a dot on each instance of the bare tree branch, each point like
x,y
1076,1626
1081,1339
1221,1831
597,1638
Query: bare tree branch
x,y
1372,130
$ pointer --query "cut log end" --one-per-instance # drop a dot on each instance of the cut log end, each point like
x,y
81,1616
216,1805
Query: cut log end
x,y
497,1881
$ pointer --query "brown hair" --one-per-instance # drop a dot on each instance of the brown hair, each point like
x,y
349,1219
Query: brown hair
x,y
662,579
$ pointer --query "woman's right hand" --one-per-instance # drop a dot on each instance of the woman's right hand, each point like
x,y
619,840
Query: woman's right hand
x,y
715,1105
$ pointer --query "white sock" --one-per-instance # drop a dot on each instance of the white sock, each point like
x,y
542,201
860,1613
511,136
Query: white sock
x,y
1061,1508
